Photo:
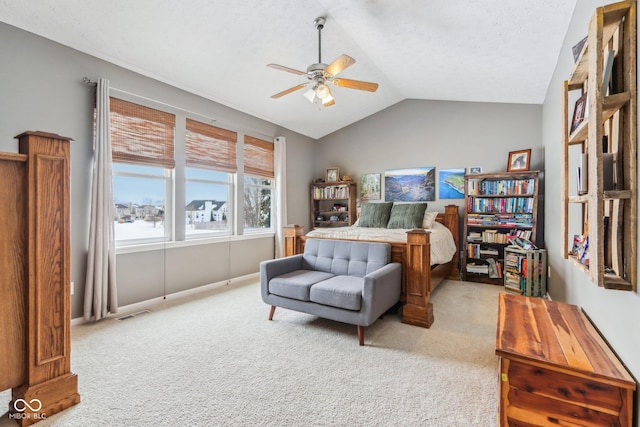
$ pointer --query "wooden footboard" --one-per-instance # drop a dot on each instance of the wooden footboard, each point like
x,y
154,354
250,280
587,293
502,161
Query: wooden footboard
x,y
418,277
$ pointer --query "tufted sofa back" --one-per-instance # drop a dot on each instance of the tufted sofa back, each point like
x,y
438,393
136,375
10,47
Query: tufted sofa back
x,y
342,257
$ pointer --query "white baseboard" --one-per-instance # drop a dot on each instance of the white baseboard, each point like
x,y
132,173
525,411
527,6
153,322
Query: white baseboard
x,y
138,306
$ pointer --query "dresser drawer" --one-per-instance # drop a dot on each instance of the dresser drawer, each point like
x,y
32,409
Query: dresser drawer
x,y
570,388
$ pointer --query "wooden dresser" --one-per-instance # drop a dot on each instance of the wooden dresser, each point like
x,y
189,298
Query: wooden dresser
x,y
555,369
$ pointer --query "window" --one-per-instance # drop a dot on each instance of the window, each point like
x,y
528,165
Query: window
x,y
142,147
208,195
139,194
211,165
258,184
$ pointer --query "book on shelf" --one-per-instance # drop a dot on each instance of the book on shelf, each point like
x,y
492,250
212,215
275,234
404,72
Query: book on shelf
x,y
606,71
577,48
478,268
494,268
522,243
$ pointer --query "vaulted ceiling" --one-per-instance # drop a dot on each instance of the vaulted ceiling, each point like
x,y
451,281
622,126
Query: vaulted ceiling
x,y
462,50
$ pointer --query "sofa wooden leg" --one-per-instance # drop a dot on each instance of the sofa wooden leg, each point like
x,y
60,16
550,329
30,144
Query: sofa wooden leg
x,y
361,334
273,310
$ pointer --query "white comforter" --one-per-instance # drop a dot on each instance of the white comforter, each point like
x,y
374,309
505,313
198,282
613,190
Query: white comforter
x,y
443,247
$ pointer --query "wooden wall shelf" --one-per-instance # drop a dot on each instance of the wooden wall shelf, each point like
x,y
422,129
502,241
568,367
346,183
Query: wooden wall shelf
x,y
608,138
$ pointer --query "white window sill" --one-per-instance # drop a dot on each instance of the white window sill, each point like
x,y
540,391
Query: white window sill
x,y
191,242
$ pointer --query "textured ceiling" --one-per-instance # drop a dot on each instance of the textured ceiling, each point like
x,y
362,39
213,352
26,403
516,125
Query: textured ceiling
x,y
461,50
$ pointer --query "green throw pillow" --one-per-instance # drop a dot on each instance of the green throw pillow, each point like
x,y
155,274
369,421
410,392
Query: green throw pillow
x,y
375,215
407,215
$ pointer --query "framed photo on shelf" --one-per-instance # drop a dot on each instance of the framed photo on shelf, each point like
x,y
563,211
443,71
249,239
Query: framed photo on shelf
x,y
474,170
519,160
333,175
579,112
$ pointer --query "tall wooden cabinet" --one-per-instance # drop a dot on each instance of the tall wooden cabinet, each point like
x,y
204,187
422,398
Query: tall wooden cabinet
x,y
600,218
499,206
35,300
333,204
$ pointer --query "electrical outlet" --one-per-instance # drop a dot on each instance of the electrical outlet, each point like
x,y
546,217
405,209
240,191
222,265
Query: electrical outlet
x,y
72,287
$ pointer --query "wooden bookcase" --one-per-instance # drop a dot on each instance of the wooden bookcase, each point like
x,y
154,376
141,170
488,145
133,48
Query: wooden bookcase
x,y
599,222
498,205
333,204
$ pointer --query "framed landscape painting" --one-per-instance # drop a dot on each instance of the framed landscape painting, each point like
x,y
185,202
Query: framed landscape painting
x,y
451,183
370,186
410,185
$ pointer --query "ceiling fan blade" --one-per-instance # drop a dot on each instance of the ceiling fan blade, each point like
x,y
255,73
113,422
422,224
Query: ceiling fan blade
x,y
329,103
355,84
339,64
288,91
287,69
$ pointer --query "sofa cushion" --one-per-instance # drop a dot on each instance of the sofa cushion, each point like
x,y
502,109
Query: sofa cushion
x,y
339,291
296,284
345,257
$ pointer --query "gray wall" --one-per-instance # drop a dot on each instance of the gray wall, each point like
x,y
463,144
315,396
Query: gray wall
x,y
615,313
443,134
41,89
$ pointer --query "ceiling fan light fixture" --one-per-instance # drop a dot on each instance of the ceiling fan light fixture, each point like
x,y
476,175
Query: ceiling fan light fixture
x,y
322,91
310,95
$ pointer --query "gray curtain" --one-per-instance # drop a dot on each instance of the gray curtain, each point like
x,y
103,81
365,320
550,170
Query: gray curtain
x,y
280,172
100,294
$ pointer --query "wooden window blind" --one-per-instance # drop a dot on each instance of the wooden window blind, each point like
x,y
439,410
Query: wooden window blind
x,y
258,157
141,135
210,147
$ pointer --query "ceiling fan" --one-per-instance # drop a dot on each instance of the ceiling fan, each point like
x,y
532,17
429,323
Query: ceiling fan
x,y
320,75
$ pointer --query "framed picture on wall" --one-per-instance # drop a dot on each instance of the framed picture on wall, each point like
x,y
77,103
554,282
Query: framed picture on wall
x,y
370,186
410,185
333,175
519,160
451,184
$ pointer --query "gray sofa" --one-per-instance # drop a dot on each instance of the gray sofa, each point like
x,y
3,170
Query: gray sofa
x,y
347,281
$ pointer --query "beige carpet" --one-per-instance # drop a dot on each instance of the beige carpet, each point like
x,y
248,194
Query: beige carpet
x,y
214,359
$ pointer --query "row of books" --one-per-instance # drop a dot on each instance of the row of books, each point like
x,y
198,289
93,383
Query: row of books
x,y
500,204
331,192
501,220
475,250
503,187
519,238
487,236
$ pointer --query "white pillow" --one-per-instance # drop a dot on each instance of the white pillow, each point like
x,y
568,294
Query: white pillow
x,y
428,219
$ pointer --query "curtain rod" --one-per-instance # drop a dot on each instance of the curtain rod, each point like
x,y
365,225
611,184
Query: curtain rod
x,y
89,82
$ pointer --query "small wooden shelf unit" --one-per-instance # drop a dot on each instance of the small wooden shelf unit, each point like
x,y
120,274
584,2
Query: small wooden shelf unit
x,y
555,369
333,204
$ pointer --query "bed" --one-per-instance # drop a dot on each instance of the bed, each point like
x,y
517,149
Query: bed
x,y
422,271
